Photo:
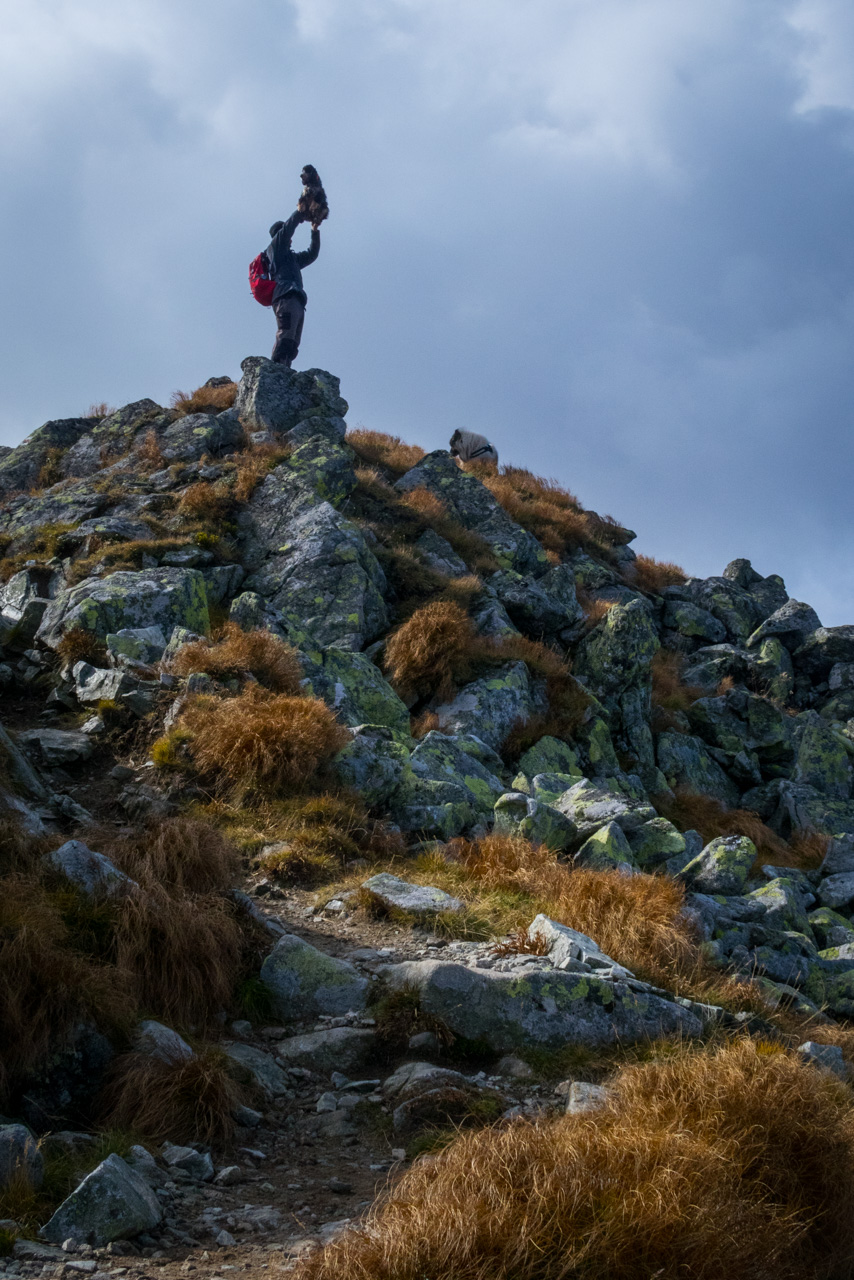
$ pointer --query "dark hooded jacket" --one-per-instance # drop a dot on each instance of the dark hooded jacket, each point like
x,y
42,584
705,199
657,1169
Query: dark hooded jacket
x,y
285,265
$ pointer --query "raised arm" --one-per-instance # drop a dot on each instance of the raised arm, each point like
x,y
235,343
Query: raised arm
x,y
307,256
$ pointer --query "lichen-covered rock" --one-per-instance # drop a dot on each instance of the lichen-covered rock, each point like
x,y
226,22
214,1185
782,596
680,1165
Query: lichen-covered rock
x,y
708,666
544,1007
606,850
692,621
357,691
591,807
21,466
442,757
517,814
685,762
374,763
821,761
163,598
723,866
304,982
837,890
773,669
436,810
566,946
23,601
261,1067
655,842
273,398
438,553
415,900
186,439
342,1049
822,649
549,755
791,623
91,872
313,566
830,928
56,748
782,906
20,1158
113,684
793,806
111,1203
541,607
613,661
738,610
158,1041
139,644
474,506
491,706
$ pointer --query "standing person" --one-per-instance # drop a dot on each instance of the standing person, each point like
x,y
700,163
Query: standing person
x,y
289,297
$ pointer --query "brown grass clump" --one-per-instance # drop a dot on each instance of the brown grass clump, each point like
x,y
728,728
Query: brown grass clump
x,y
78,645
191,1100
261,741
378,449
566,700
100,410
594,609
548,511
45,984
204,399
467,543
206,501
235,652
425,656
183,855
669,691
254,465
738,1163
183,954
426,722
149,454
654,575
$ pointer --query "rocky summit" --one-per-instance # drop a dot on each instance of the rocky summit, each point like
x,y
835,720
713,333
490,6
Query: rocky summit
x,y
357,806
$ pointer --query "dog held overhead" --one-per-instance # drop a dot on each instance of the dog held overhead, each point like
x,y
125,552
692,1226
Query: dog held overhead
x,y
468,446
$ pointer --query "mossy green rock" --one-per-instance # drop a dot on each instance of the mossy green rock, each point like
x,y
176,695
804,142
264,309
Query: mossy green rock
x,y
655,841
822,761
163,598
517,814
186,439
549,755
592,807
685,762
830,928
272,398
357,690
20,467
546,1007
375,764
606,850
723,866
438,757
616,655
774,670
304,982
434,809
112,1203
782,906
490,707
691,620
470,502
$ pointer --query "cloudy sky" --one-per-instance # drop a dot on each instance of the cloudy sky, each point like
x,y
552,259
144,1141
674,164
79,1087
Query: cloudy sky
x,y
614,235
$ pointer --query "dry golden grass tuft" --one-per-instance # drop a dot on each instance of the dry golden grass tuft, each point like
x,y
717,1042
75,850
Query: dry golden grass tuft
x,y
100,410
235,652
566,700
183,855
635,919
204,399
688,810
190,1100
421,725
426,656
318,836
670,693
211,502
259,741
378,449
149,454
467,543
549,511
654,575
738,1163
254,465
595,609
78,645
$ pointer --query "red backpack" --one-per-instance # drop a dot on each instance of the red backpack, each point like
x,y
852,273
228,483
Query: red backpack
x,y
259,280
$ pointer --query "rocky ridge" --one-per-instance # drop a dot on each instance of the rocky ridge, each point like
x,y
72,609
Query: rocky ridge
x,y
118,564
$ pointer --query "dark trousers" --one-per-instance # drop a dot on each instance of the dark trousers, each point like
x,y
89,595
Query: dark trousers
x,y
290,316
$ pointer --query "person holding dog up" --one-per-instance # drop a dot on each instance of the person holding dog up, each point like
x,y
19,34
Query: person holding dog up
x,y
275,276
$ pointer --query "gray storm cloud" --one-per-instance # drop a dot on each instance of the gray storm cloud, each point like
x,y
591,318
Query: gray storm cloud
x,y
614,236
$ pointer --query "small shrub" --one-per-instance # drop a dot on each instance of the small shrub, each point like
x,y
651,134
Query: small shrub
x,y
427,654
206,501
78,645
149,454
205,399
235,652
191,1100
654,575
261,741
254,465
378,449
